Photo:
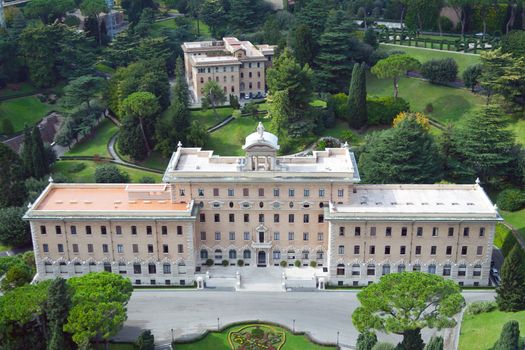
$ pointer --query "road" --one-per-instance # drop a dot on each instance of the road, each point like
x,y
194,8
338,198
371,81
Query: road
x,y
190,313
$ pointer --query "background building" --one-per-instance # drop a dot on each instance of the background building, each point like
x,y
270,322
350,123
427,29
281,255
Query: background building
x,y
263,209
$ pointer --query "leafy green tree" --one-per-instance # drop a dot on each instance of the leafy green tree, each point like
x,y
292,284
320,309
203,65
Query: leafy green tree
x,y
510,199
16,276
440,71
314,14
57,309
40,161
83,90
130,141
471,76
422,14
357,112
12,184
213,96
27,151
197,135
133,8
213,14
514,43
395,66
510,337
366,341
404,303
304,46
337,52
394,155
141,105
109,173
461,8
93,8
145,341
7,126
511,290
244,15
172,128
435,343
49,11
493,68
13,230
370,38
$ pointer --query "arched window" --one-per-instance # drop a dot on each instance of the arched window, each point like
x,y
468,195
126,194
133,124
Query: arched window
x,y
276,254
152,268
63,267
225,89
432,268
247,254
356,270
107,267
218,254
320,254
477,270
166,268
401,268
416,267
305,254
371,270
341,270
48,267
462,270
447,270
204,254
386,269
92,267
233,88
232,254
291,254
182,267
78,267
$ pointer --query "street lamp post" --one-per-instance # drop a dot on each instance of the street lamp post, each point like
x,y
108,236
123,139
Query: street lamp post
x,y
293,326
172,339
337,338
218,324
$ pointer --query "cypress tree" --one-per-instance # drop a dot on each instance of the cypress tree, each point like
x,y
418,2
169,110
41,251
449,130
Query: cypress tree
x,y
180,90
357,97
511,291
27,152
12,186
510,337
57,308
435,343
40,165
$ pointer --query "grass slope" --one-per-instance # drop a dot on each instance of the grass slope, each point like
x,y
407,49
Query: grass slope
x,y
516,219
208,118
480,332
204,30
87,175
17,89
228,140
96,144
24,110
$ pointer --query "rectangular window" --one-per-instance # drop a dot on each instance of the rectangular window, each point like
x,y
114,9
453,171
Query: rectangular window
x,y
306,192
419,231
150,248
388,231
166,269
404,231
149,230
291,218
275,217
305,236
356,249
231,192
182,193
306,218
200,192
164,230
341,249
120,248
103,230
231,217
245,192
180,248
261,217
133,230
60,248
45,248
387,250
231,235
482,231
246,217
433,250
217,217
466,232
88,230
90,248
276,236
217,236
75,248
341,230
246,236
43,230
435,231
321,192
105,248
340,192
372,249
449,250
73,230
290,236
276,192
203,236
402,250
135,248
372,231
291,192
320,218
261,192
418,250
58,230
137,269
479,250
320,236
357,231
215,192
464,250
118,230
202,217
165,248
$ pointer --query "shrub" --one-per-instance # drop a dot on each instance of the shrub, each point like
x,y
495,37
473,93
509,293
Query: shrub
x,y
340,102
440,71
234,102
225,263
348,136
479,307
510,336
420,118
446,23
7,126
109,173
297,263
250,109
78,167
382,110
313,263
510,199
257,333
471,76
209,262
429,108
366,341
383,346
147,180
240,262
145,341
283,263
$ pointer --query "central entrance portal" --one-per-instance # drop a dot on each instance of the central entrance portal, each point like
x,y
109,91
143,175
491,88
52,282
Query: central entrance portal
x,y
261,259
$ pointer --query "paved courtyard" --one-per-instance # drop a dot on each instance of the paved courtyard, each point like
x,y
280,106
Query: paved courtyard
x,y
190,312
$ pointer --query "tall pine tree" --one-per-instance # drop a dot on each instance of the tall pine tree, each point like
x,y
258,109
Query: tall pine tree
x,y
511,291
12,177
180,90
357,113
57,308
40,164
304,45
27,152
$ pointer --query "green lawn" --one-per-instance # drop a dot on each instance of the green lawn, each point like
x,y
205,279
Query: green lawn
x,y
121,346
96,144
24,110
16,89
516,219
449,104
219,341
154,161
4,247
423,55
203,29
480,332
228,140
208,118
87,175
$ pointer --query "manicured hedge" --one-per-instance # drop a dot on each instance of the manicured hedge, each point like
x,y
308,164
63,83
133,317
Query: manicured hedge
x,y
382,110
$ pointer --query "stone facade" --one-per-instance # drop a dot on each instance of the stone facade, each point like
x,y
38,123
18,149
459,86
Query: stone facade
x,y
263,209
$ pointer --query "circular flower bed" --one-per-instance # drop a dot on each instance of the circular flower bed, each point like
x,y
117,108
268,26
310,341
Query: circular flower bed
x,y
257,337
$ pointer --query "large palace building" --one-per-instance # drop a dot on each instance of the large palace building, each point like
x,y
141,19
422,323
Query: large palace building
x,y
239,67
263,209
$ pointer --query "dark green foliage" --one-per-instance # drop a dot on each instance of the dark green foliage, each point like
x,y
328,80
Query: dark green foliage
x,y
440,71
49,11
180,90
146,180
134,8
511,199
435,343
510,337
40,166
234,102
27,151
304,46
13,230
383,346
197,135
172,128
357,114
366,341
7,126
57,308
145,341
244,15
109,173
12,185
511,291
514,43
471,76
130,140
412,340
313,14
370,38
394,156
383,110
17,275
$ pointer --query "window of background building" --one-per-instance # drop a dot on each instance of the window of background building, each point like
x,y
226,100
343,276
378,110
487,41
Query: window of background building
x,y
320,236
135,248
276,236
372,249
150,248
341,250
203,236
419,231
290,236
448,250
165,249
73,230
356,249
418,250
217,236
231,236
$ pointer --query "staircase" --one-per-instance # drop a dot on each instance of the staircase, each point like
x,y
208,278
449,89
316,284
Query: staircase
x,y
261,279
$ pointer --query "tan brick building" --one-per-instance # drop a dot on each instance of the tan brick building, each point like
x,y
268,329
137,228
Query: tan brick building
x,y
239,67
263,209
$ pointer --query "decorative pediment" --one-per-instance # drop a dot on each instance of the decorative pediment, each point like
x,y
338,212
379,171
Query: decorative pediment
x,y
261,227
